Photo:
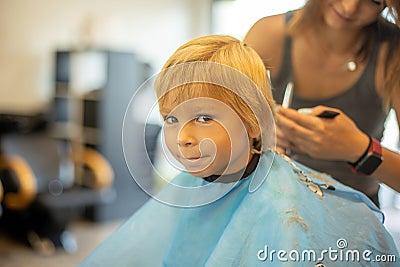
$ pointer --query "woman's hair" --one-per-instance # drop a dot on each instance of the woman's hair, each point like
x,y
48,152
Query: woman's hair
x,y
382,30
222,67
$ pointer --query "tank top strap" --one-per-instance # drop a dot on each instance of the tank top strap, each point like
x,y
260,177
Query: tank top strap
x,y
367,78
285,74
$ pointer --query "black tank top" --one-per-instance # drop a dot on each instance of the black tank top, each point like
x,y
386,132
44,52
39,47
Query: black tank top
x,y
360,102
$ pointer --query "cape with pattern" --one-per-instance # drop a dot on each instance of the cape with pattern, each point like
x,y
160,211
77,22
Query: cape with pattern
x,y
296,217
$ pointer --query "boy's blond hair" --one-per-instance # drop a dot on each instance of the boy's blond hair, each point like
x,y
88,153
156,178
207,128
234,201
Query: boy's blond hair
x,y
223,67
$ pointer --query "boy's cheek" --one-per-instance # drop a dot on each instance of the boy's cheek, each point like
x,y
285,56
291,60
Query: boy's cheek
x,y
170,141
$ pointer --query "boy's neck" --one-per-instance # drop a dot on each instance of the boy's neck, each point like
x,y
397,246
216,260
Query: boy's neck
x,y
234,177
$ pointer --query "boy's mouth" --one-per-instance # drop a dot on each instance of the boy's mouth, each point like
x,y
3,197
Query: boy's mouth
x,y
194,161
191,158
194,158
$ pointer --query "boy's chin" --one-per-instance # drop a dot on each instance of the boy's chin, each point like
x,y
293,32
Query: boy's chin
x,y
199,174
205,173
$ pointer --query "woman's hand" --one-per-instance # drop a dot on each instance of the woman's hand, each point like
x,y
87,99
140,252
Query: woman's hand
x,y
330,139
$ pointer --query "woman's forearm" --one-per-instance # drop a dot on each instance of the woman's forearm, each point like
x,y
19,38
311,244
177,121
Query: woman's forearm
x,y
389,171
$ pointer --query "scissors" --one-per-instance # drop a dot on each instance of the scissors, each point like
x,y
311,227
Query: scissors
x,y
288,96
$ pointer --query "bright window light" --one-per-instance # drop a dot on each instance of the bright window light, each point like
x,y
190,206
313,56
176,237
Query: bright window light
x,y
236,17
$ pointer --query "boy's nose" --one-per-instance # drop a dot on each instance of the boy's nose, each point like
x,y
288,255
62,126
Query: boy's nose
x,y
186,136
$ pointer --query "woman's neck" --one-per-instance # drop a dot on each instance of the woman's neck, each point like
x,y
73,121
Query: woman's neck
x,y
338,42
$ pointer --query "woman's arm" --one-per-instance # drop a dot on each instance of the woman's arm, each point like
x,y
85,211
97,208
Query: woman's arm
x,y
389,171
333,139
329,139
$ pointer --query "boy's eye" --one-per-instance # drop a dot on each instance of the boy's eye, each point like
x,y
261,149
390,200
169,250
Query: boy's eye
x,y
203,118
377,2
170,119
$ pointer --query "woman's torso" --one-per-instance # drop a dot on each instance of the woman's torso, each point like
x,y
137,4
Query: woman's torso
x,y
359,100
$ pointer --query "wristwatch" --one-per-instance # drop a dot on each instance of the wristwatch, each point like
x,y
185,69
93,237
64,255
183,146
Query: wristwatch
x,y
370,160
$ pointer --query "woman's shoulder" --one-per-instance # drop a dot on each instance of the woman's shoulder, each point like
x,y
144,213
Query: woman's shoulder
x,y
269,22
388,39
266,28
267,35
267,38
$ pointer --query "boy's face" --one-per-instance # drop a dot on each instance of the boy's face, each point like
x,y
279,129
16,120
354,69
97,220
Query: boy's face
x,y
207,137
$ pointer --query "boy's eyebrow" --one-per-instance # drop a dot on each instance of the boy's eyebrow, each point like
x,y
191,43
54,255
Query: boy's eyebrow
x,y
195,107
164,114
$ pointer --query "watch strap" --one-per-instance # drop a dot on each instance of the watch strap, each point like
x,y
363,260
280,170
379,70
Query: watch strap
x,y
354,164
370,160
376,147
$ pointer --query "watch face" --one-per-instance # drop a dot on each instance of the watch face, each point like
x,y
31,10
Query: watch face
x,y
370,164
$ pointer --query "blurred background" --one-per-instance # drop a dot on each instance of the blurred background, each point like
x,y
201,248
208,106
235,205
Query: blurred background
x,y
68,71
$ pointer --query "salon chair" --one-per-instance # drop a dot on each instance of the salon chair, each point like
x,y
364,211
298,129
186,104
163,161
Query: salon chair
x,y
46,184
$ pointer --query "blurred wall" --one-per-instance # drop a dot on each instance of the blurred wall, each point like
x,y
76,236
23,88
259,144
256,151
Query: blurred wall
x,y
30,30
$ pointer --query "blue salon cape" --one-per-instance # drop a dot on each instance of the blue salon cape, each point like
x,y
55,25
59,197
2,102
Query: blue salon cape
x,y
282,223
